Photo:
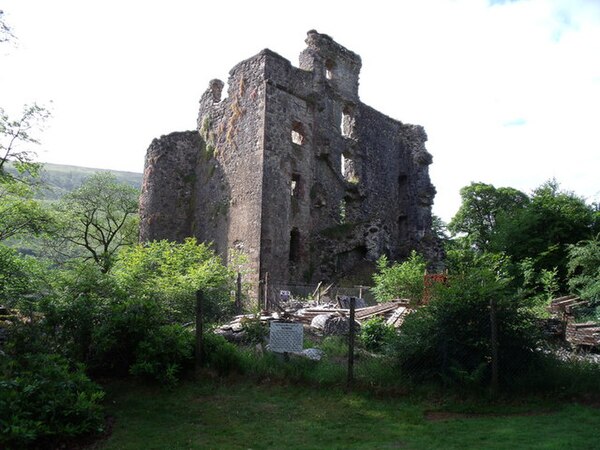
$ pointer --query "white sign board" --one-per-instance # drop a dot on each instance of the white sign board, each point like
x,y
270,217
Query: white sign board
x,y
286,337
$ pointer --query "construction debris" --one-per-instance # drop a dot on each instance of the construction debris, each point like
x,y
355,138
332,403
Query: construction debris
x,y
327,319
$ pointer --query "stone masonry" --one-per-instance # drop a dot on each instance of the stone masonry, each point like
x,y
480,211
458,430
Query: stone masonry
x,y
293,170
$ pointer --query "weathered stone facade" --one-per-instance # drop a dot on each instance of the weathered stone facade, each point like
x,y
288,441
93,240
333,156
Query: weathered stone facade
x,y
293,170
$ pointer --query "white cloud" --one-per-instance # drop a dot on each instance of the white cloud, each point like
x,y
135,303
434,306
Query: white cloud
x,y
121,73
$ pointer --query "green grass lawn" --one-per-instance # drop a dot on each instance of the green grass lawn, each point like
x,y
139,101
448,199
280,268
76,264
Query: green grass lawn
x,y
241,415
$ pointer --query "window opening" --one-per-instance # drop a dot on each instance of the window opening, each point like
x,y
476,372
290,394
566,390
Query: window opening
x,y
329,66
297,133
348,122
295,186
349,170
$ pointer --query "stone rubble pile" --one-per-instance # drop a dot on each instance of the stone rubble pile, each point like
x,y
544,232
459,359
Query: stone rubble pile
x,y
326,319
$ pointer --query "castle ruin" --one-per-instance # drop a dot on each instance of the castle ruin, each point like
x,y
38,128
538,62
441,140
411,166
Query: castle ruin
x,y
293,170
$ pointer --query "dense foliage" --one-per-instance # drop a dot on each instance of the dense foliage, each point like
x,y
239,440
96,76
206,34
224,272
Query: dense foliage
x,y
449,339
543,230
129,320
45,398
376,335
584,271
96,220
482,204
404,280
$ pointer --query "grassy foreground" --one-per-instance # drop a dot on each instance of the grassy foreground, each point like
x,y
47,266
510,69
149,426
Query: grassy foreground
x,y
231,415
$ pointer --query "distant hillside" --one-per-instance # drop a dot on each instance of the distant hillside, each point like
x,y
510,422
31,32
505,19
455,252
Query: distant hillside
x,y
58,179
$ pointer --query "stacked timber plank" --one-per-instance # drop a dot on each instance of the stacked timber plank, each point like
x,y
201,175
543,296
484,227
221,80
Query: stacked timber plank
x,y
398,309
392,312
576,334
559,305
586,333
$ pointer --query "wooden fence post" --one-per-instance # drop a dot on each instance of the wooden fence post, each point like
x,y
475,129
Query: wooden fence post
x,y
266,306
238,294
199,347
351,344
494,345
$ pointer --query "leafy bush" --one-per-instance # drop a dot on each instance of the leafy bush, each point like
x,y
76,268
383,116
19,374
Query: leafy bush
x,y
22,279
537,288
255,331
584,271
80,303
449,340
116,340
43,398
220,355
375,334
164,353
170,274
400,280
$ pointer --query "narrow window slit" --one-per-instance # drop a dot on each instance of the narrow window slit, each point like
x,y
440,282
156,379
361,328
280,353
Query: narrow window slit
x,y
297,133
348,122
329,66
295,186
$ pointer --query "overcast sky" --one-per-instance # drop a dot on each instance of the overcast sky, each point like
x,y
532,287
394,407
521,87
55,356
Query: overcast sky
x,y
508,91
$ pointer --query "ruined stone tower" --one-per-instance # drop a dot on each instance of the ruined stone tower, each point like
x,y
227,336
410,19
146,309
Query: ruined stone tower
x,y
294,171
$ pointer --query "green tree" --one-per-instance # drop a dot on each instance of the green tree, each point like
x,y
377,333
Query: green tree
x,y
170,273
584,270
449,339
440,229
400,280
22,279
20,213
478,214
17,137
98,219
543,230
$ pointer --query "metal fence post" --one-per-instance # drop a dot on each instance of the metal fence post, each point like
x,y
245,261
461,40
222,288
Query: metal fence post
x,y
351,344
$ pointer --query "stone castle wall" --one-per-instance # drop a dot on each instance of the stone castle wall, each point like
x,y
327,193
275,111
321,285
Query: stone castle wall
x,y
294,171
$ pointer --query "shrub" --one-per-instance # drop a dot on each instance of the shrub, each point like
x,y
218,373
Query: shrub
x,y
584,272
22,278
220,355
449,340
255,331
116,340
170,273
43,398
400,280
375,334
164,353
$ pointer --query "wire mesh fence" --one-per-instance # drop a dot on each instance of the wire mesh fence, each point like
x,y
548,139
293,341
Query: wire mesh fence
x,y
274,294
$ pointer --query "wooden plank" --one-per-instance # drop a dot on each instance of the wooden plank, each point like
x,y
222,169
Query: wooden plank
x,y
562,299
376,310
396,316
